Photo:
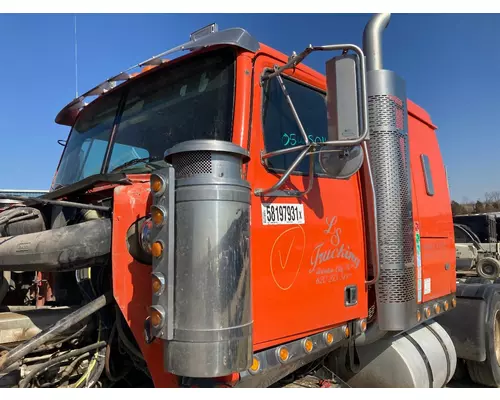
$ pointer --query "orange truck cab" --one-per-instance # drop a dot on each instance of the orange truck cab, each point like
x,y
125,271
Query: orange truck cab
x,y
263,220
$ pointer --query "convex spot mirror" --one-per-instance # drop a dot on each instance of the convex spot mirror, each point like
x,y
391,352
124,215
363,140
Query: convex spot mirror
x,y
340,163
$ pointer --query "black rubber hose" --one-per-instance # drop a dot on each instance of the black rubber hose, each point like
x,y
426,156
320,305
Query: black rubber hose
x,y
65,375
96,374
70,368
60,342
108,355
128,344
74,353
13,367
67,248
62,325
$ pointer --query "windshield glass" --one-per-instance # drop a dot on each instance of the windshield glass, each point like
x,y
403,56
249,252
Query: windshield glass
x,y
191,100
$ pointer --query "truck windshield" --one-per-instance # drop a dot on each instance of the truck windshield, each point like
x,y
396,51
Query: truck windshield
x,y
190,100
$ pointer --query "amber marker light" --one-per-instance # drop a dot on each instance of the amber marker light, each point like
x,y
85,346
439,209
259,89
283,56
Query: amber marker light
x,y
308,345
419,316
157,183
329,338
427,312
157,249
362,325
156,318
158,283
157,215
453,302
255,367
283,354
446,305
346,330
437,308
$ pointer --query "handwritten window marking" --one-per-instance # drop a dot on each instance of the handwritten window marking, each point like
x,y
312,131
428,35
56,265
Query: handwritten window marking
x,y
292,139
281,130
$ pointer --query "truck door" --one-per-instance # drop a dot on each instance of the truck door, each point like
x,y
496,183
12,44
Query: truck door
x,y
307,252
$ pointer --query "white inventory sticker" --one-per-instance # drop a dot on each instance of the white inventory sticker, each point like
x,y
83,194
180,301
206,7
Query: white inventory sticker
x,y
282,214
427,285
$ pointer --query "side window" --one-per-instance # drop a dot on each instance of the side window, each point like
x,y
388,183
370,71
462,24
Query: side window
x,y
281,130
426,166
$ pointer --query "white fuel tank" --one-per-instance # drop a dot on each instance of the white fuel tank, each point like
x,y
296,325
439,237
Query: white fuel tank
x,y
423,357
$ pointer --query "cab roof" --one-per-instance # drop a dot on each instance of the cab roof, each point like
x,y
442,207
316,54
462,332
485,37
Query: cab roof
x,y
203,38
208,36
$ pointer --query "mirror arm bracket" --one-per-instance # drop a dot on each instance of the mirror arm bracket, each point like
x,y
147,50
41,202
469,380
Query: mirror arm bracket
x,y
274,191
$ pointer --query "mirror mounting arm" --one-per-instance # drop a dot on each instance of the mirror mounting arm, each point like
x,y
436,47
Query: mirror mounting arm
x,y
274,191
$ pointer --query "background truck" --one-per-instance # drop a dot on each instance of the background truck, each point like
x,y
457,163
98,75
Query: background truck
x,y
475,257
474,327
483,225
231,217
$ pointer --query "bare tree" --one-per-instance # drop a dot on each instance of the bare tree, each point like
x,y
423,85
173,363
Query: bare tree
x,y
492,197
457,208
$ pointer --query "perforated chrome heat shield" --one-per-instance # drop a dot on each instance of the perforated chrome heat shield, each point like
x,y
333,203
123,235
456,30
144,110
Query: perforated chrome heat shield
x,y
389,155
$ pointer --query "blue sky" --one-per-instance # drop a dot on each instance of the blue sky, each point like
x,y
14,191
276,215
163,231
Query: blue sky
x,y
450,63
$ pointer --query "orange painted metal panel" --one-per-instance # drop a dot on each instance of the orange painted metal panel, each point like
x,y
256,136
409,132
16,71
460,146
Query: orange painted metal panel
x,y
131,279
432,213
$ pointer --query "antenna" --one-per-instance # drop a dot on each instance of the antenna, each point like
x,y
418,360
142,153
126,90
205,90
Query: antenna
x,y
76,63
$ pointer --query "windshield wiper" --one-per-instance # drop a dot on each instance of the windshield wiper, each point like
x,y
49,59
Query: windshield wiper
x,y
133,162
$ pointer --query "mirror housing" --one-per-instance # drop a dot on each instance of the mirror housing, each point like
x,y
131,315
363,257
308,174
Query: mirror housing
x,y
342,98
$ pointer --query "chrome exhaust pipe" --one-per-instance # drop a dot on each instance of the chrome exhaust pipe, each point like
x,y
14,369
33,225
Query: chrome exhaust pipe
x,y
372,40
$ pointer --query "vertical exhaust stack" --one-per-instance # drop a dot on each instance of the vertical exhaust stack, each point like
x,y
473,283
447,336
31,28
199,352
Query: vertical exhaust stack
x,y
372,41
389,161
